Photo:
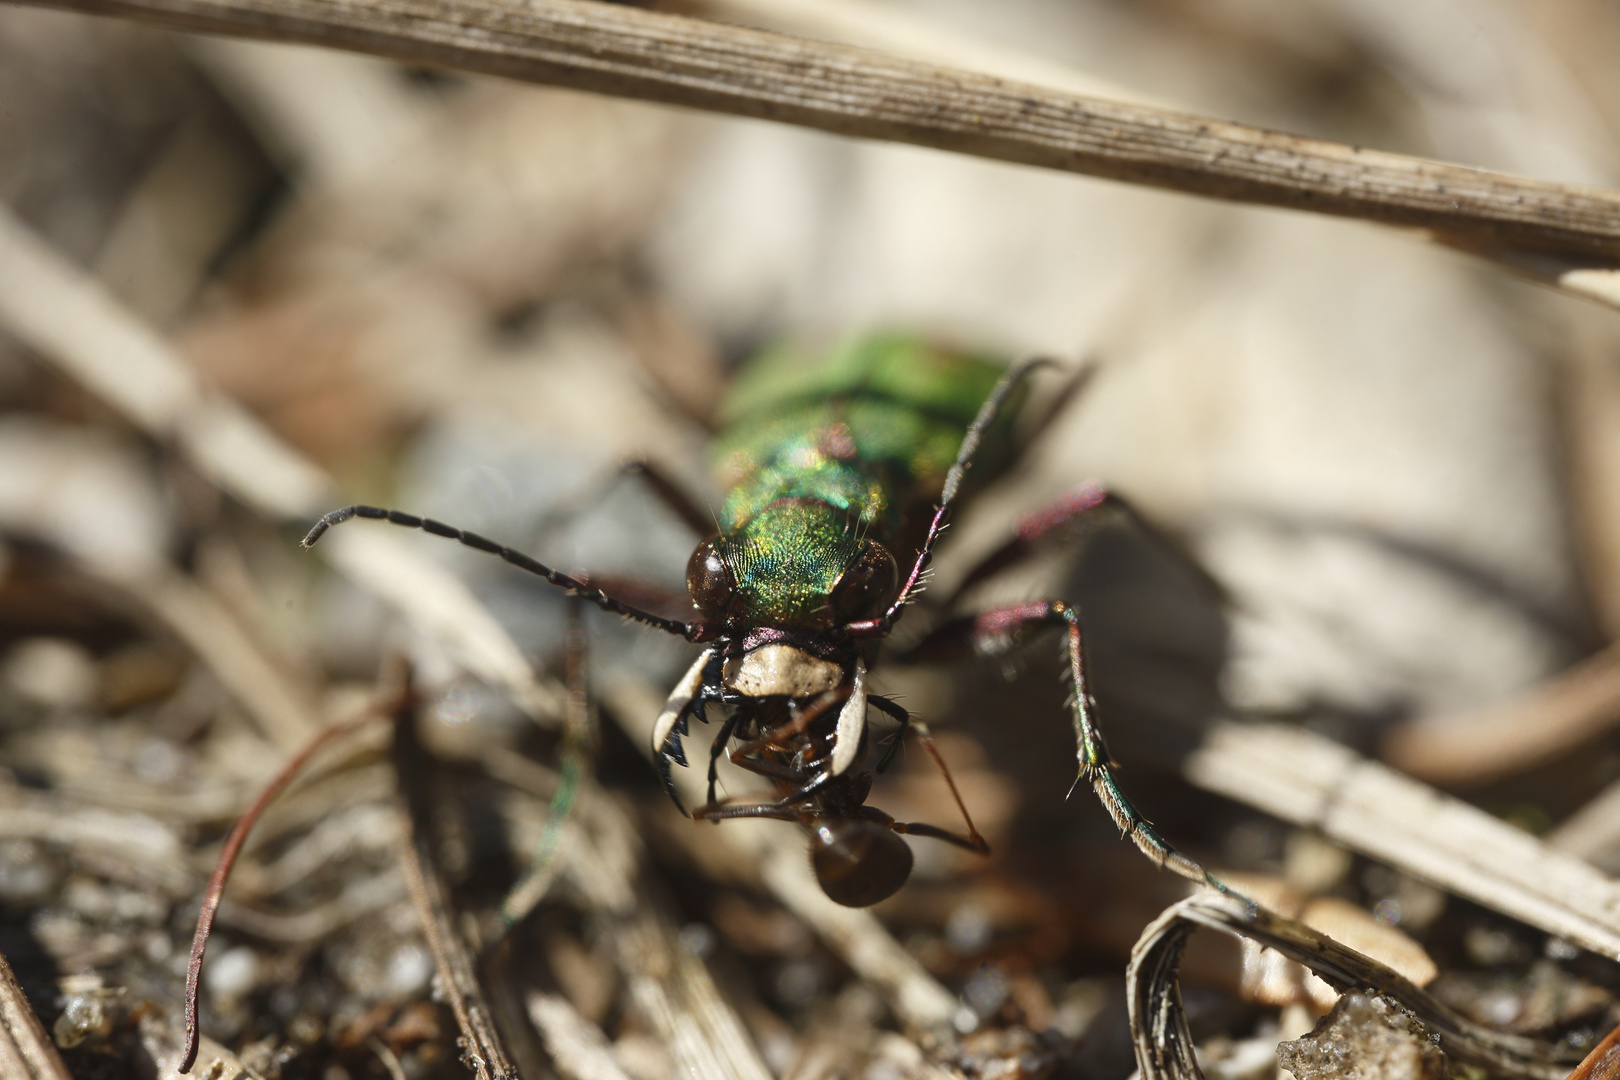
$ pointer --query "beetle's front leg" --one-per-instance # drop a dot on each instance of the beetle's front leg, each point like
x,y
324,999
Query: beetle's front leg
x,y
992,633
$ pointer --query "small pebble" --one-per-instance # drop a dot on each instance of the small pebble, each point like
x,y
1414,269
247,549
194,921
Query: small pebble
x,y
797,982
84,1016
1490,947
158,761
968,929
1365,1037
986,991
697,938
50,671
408,971
27,873
233,974
1558,948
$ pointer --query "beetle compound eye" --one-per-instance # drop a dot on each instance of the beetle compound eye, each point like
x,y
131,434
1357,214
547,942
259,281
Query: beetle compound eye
x,y
709,580
859,863
868,586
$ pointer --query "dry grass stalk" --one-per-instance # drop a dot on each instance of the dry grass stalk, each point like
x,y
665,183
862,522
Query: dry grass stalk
x,y
71,321
26,1052
578,1048
483,1049
897,30
670,987
1312,781
1592,832
1550,719
69,318
1164,1047
667,58
284,710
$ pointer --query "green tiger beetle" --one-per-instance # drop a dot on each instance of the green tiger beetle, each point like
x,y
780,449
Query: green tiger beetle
x,y
841,473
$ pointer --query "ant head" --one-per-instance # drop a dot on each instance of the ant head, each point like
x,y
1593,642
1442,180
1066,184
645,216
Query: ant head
x,y
858,862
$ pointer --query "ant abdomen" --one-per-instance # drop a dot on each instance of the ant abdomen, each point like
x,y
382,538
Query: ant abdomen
x,y
858,862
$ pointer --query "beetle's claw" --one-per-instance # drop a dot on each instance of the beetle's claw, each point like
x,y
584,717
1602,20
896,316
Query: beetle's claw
x,y
672,751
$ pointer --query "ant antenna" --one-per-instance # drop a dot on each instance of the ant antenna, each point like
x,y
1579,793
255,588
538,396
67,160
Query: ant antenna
x,y
574,586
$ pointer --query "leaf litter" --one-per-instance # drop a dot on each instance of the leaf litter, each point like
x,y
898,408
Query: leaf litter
x,y
477,297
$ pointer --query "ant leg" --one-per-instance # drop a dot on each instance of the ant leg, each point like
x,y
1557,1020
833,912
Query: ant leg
x,y
717,748
772,769
994,632
883,704
974,842
746,755
927,737
977,842
776,737
749,810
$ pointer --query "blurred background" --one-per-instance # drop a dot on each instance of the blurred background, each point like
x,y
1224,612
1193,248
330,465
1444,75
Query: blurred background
x,y
1382,479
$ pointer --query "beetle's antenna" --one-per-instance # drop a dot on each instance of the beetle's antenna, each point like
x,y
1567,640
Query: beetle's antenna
x,y
574,586
988,412
233,847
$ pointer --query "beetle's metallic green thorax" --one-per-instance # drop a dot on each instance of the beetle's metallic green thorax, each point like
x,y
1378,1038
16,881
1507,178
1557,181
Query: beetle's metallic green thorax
x,y
787,558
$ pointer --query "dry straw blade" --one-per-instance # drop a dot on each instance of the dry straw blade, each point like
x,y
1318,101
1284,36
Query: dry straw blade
x,y
1164,1047
1562,234
1308,780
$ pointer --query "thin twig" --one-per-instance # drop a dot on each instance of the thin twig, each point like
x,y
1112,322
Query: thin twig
x,y
227,858
26,1052
628,52
1603,1062
482,1048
